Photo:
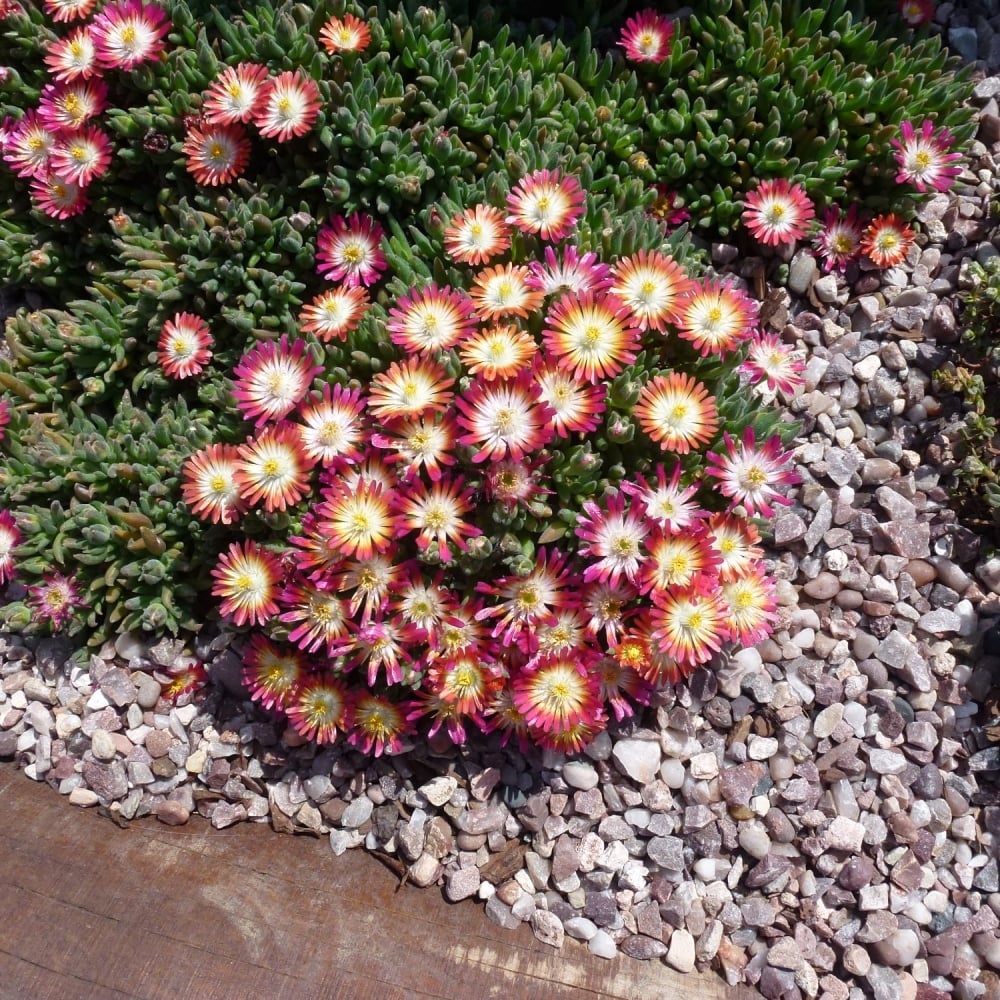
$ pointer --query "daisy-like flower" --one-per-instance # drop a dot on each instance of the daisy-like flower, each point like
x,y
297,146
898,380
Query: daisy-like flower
x,y
73,57
592,336
750,475
735,539
557,694
335,313
216,154
29,146
650,284
464,682
10,538
750,607
547,203
288,106
349,250
58,198
688,625
69,10
248,579
667,503
461,633
360,521
235,95
614,537
272,378
776,364
677,411
576,405
386,646
68,106
436,513
681,560
270,672
54,600
523,601
128,33
923,157
501,291
778,212
430,320
503,418
332,426
564,632
184,681
498,352
208,484
422,603
81,157
618,681
420,443
476,235
184,346
646,37
274,468
317,709
917,12
839,237
512,483
638,651
567,271
409,389
346,34
377,726
716,317
369,582
887,240
605,608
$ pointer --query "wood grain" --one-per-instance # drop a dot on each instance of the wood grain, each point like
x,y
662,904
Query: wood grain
x,y
94,912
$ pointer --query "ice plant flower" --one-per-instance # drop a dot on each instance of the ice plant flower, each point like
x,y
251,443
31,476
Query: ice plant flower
x,y
650,284
838,238
216,154
185,679
419,443
10,538
69,10
667,503
235,95
476,235
917,12
735,539
29,146
614,538
665,207
546,203
54,599
184,347
377,726
774,363
716,317
750,474
557,694
359,522
287,106
677,411
317,709
436,513
348,250
576,405
71,105
272,378
58,198
503,418
73,57
334,313
887,240
512,483
592,336
498,352
646,36
346,34
750,606
688,625
272,673
923,157
273,468
682,560
501,291
81,157
567,270
778,212
128,33
4,418
430,320
208,484
409,389
248,579
332,428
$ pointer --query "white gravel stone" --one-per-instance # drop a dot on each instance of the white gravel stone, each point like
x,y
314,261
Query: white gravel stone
x,y
681,951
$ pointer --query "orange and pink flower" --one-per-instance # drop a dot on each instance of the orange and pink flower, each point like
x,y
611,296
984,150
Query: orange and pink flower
x,y
505,418
431,319
216,154
235,95
594,337
248,578
750,475
502,291
317,709
651,285
345,34
273,378
287,106
545,203
184,346
477,235
887,240
778,212
410,389
273,468
208,484
272,673
677,411
716,317
73,57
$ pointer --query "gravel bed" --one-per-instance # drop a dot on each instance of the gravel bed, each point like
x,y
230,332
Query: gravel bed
x,y
818,817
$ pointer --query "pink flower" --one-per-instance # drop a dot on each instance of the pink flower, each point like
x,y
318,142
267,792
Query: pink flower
x,y
923,158
646,37
128,33
348,250
288,106
750,474
778,212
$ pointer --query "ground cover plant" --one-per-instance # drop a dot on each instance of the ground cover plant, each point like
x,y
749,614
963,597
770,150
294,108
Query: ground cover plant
x,y
387,335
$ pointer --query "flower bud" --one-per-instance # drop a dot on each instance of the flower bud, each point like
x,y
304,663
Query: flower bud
x,y
620,428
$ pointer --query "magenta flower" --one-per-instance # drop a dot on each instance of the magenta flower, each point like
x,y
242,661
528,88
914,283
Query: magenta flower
x,y
349,250
778,212
750,474
923,158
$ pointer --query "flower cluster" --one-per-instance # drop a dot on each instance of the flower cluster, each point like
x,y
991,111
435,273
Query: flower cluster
x,y
57,146
427,578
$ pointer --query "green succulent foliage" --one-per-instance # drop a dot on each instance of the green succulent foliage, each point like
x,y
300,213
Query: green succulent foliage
x,y
100,499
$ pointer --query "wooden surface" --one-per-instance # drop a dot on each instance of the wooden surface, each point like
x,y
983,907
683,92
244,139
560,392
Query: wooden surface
x,y
94,911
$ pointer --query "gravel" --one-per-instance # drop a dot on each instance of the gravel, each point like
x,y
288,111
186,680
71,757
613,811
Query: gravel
x,y
817,817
